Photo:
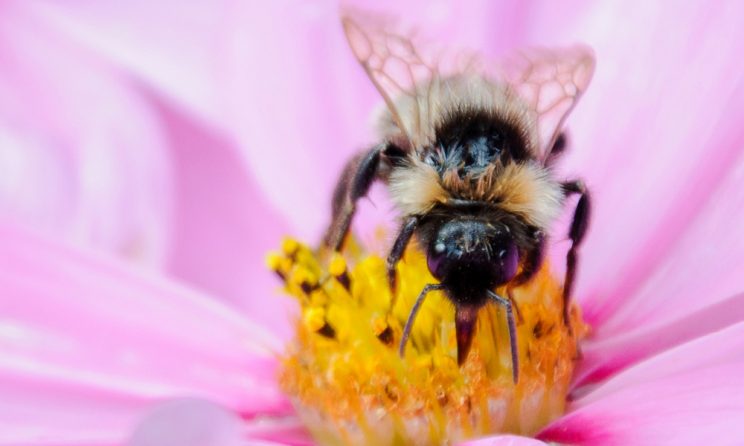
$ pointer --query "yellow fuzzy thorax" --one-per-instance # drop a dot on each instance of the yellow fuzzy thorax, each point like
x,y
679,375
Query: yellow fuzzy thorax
x,y
349,385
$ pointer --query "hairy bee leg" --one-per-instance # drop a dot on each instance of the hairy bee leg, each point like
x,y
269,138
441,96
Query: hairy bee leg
x,y
579,225
355,181
404,236
512,332
412,315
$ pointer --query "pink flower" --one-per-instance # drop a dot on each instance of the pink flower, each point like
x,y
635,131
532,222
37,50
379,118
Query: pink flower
x,y
152,150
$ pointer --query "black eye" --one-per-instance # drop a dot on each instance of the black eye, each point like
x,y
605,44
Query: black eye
x,y
506,259
438,260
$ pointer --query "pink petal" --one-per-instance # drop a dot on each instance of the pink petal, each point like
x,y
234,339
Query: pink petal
x,y
223,225
646,63
82,155
115,167
605,357
192,422
688,395
88,344
297,101
503,440
706,262
270,93
656,136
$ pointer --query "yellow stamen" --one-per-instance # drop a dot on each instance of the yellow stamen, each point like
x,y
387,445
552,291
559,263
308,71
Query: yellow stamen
x,y
337,265
274,261
289,246
314,318
350,386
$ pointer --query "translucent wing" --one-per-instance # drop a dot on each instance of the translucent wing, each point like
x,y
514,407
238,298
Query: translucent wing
x,y
551,81
400,67
548,81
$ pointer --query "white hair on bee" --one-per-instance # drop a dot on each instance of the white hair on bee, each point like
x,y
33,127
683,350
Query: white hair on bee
x,y
422,111
526,190
416,189
522,189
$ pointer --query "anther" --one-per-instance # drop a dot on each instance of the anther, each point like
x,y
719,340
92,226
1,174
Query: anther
x,y
337,268
289,246
274,263
382,330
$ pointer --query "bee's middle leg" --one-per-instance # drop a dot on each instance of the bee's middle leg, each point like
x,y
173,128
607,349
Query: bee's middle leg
x,y
576,233
356,180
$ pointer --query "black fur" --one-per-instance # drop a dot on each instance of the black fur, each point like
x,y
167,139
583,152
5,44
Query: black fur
x,y
482,246
469,140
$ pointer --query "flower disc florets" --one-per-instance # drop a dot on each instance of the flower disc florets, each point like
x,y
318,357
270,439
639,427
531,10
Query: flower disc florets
x,y
350,386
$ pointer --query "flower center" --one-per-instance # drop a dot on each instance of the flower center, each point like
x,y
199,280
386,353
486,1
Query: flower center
x,y
350,386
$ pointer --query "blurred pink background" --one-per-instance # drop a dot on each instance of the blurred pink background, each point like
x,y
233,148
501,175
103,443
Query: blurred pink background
x,y
187,138
184,139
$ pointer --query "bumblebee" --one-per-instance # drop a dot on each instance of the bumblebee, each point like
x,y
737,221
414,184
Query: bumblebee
x,y
466,148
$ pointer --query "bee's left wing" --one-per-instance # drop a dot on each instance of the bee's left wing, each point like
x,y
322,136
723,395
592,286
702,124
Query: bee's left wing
x,y
551,81
401,65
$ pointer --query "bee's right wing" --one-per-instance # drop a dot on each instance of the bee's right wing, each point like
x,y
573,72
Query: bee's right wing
x,y
548,81
551,82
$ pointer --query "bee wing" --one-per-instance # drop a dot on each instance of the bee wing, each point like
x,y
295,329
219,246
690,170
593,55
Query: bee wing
x,y
551,81
398,65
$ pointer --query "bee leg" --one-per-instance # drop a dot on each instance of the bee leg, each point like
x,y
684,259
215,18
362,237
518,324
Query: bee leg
x,y
404,236
512,332
412,315
355,181
579,225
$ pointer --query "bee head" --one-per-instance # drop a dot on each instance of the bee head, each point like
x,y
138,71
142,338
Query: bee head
x,y
472,253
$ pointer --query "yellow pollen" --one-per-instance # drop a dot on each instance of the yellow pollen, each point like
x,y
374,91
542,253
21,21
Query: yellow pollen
x,y
379,325
289,246
314,318
274,260
304,276
350,386
337,265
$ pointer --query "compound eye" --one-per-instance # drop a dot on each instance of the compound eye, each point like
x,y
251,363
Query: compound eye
x,y
506,260
438,261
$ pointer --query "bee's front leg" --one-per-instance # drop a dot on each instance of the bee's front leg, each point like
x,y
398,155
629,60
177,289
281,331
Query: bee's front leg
x,y
399,247
579,225
356,179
